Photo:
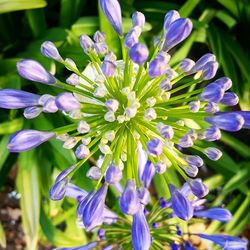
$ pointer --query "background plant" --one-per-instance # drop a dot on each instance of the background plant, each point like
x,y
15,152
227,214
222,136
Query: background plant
x,y
219,26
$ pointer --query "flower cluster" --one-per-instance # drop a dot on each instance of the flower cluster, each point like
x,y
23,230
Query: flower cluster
x,y
144,116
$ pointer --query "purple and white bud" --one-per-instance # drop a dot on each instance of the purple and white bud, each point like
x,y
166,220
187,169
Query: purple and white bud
x,y
194,160
148,174
82,152
191,170
73,79
49,106
112,11
109,116
108,68
58,190
138,19
99,36
178,31
199,189
32,112
132,37
150,114
181,206
49,50
186,141
129,201
151,101
217,213
70,63
165,131
209,70
213,154
16,99
110,57
27,139
160,167
169,18
155,146
92,213
34,71
186,65
71,142
101,48
113,174
203,61
194,106
112,105
86,43
212,107
212,93
83,127
143,195
157,67
94,173
230,99
138,53
246,117
227,121
212,133
157,40
67,102
224,82
141,238
165,84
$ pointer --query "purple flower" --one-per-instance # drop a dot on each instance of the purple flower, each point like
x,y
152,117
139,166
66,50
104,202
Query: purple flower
x,y
129,201
154,146
138,53
212,107
148,173
186,65
194,160
67,102
212,93
194,106
94,173
86,43
108,68
112,10
141,238
17,99
246,116
34,71
227,121
169,18
101,48
178,31
99,36
213,154
32,112
186,141
224,82
165,131
158,66
113,174
203,61
230,99
27,139
94,209
198,188
49,106
160,167
212,133
75,192
142,160
49,49
82,151
181,206
226,242
138,19
143,195
132,37
58,190
209,70
220,214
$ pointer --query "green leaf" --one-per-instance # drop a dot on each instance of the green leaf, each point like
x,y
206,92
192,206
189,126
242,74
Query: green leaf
x,y
2,237
28,187
13,5
4,153
187,8
11,126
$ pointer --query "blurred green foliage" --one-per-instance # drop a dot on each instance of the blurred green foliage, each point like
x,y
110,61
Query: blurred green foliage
x,y
219,26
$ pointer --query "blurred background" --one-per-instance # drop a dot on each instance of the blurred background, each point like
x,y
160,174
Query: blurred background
x,y
28,219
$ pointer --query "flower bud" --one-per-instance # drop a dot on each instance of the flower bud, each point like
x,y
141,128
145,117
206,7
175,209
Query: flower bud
x,y
73,79
34,71
143,195
226,121
212,107
209,70
32,112
83,127
148,174
165,84
203,61
108,68
191,170
194,106
186,141
94,173
169,18
132,37
220,214
67,102
138,19
178,31
198,188
160,167
58,190
99,36
230,99
27,139
49,50
86,43
16,99
82,152
246,117
138,53
213,154
212,134
71,63
224,82
112,11
194,160
186,65
49,106
113,174
112,105
165,131
212,93
154,146
101,48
